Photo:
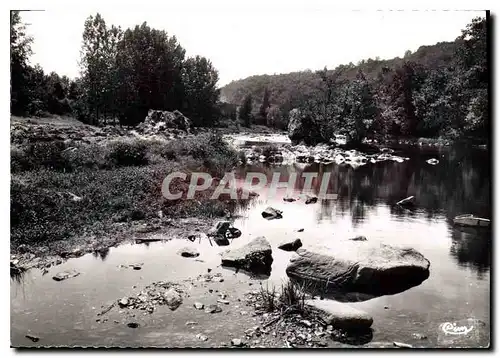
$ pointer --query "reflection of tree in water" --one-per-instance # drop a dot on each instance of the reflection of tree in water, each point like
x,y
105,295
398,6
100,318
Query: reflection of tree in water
x,y
459,184
472,248
101,253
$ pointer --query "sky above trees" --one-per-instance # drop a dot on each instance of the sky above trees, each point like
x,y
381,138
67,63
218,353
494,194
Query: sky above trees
x,y
245,42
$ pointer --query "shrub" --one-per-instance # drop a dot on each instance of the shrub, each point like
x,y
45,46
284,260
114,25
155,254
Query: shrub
x,y
127,153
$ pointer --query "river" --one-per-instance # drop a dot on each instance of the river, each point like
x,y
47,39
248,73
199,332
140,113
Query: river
x,y
458,288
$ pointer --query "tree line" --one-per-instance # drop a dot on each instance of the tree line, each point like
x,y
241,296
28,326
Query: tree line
x,y
124,73
439,90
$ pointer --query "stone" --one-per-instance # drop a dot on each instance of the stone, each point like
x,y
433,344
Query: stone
x,y
271,213
188,252
358,238
340,315
32,338
133,325
219,229
226,302
123,302
289,200
213,309
407,201
300,230
372,269
256,256
199,305
291,245
65,275
172,298
158,121
402,345
311,199
237,342
201,337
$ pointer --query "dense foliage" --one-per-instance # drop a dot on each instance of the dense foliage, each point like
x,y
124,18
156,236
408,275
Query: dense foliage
x,y
123,75
439,90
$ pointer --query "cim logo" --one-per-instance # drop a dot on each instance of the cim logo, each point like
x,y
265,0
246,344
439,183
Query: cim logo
x,y
455,329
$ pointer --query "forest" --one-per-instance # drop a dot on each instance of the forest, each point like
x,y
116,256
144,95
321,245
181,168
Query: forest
x,y
437,91
124,73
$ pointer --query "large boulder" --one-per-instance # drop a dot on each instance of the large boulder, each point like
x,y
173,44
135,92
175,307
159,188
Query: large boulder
x,y
157,121
359,267
256,256
302,128
340,315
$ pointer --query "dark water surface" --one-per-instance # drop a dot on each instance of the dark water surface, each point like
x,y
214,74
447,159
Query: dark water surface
x,y
458,288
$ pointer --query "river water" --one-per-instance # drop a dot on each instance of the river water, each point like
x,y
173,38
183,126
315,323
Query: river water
x,y
458,288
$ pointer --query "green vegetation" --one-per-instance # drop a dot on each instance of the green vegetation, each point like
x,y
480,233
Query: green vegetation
x,y
289,298
438,91
59,192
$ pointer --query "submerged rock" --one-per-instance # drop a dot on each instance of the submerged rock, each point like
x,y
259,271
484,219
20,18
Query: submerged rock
x,y
289,200
372,269
291,245
256,256
188,252
65,275
340,315
272,213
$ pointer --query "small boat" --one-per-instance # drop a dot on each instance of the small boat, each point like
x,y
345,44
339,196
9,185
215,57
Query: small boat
x,y
471,220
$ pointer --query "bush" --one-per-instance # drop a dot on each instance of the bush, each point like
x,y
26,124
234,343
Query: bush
x,y
127,153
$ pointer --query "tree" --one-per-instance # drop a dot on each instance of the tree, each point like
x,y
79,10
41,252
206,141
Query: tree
x,y
245,111
264,107
149,68
20,50
199,80
98,58
361,109
472,67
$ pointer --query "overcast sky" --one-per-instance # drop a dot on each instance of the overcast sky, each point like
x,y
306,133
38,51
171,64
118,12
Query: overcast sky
x,y
245,42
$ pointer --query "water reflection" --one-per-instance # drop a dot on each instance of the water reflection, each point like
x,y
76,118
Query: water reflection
x,y
472,248
459,184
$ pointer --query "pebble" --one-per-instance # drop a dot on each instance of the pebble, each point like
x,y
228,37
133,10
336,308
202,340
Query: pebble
x,y
199,305
132,325
236,342
32,337
202,337
402,345
226,302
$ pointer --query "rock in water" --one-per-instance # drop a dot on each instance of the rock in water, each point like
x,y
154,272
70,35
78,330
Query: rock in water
x,y
302,127
219,229
272,213
256,256
373,269
407,201
172,298
189,252
199,305
289,200
65,275
291,245
311,199
340,315
358,238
